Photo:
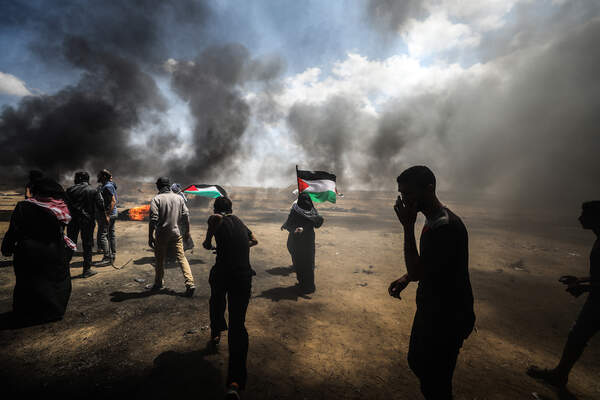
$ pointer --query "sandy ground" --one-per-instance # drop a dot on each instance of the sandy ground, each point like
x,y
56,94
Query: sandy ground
x,y
347,341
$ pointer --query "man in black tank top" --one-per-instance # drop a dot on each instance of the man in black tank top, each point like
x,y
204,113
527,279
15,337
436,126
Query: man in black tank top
x,y
230,277
588,321
444,317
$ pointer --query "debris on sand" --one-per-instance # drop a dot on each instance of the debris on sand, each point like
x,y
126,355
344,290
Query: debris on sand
x,y
139,280
573,254
128,261
363,284
368,271
518,266
499,270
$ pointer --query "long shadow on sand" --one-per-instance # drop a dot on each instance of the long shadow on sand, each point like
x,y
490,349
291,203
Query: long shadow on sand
x,y
169,264
281,271
177,375
283,293
117,297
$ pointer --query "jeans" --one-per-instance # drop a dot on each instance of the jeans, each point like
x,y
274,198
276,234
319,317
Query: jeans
x,y
86,227
108,242
161,249
237,292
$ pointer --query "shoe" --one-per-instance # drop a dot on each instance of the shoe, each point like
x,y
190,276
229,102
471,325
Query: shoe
x,y
189,291
105,262
155,287
88,272
232,392
549,376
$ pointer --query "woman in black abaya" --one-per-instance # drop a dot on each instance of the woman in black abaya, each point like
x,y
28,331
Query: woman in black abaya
x,y
301,224
41,254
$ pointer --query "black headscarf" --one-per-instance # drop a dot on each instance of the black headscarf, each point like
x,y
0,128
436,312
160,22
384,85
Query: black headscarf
x,y
46,187
305,208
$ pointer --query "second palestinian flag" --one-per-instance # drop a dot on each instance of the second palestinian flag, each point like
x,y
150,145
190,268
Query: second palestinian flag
x,y
319,185
211,191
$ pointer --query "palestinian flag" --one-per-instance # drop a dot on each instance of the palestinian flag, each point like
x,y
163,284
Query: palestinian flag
x,y
211,191
319,185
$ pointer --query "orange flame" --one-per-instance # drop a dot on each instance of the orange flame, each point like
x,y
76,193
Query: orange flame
x,y
140,213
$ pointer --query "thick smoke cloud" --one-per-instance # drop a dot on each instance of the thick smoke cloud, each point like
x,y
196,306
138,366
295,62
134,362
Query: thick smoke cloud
x,y
212,86
530,137
327,132
119,48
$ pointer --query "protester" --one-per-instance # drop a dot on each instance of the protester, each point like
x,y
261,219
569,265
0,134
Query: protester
x,y
231,276
301,224
588,321
33,176
108,216
41,253
444,317
176,188
167,211
81,199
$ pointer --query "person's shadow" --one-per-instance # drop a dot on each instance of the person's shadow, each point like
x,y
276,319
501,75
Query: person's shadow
x,y
283,293
9,321
119,296
176,375
281,271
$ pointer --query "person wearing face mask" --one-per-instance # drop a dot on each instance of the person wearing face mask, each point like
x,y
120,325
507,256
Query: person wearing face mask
x,y
301,224
444,316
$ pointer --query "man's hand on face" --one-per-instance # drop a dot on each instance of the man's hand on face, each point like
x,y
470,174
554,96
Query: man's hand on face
x,y
407,215
398,286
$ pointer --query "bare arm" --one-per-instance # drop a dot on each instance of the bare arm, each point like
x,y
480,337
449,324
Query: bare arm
x,y
152,223
213,223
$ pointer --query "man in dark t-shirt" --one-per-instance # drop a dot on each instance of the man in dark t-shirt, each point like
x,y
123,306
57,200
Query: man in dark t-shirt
x,y
231,276
444,317
588,321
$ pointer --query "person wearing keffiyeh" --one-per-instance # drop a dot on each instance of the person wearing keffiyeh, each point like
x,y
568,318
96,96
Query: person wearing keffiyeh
x,y
301,224
41,254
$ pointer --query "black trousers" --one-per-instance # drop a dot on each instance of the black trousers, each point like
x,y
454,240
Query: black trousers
x,y
86,227
237,292
432,356
586,326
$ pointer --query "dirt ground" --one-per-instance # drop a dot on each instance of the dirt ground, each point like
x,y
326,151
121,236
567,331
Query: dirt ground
x,y
347,341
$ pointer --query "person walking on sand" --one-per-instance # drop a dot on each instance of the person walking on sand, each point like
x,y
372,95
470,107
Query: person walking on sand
x,y
588,321
444,316
231,278
167,212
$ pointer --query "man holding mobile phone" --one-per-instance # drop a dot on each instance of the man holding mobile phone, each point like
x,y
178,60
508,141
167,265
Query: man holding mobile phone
x,y
444,317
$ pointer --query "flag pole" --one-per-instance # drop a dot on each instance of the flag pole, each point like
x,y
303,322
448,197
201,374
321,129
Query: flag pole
x,y
297,182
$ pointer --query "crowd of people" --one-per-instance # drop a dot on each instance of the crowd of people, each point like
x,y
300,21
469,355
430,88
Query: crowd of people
x,y
444,318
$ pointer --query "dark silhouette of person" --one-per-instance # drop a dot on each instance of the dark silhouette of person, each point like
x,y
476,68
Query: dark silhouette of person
x,y
588,321
41,254
301,224
107,218
34,175
444,316
81,199
230,277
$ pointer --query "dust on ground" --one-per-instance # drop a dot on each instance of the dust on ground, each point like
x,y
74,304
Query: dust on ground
x,y
347,341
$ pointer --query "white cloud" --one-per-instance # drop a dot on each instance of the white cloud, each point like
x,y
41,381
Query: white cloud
x,y
437,34
11,85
